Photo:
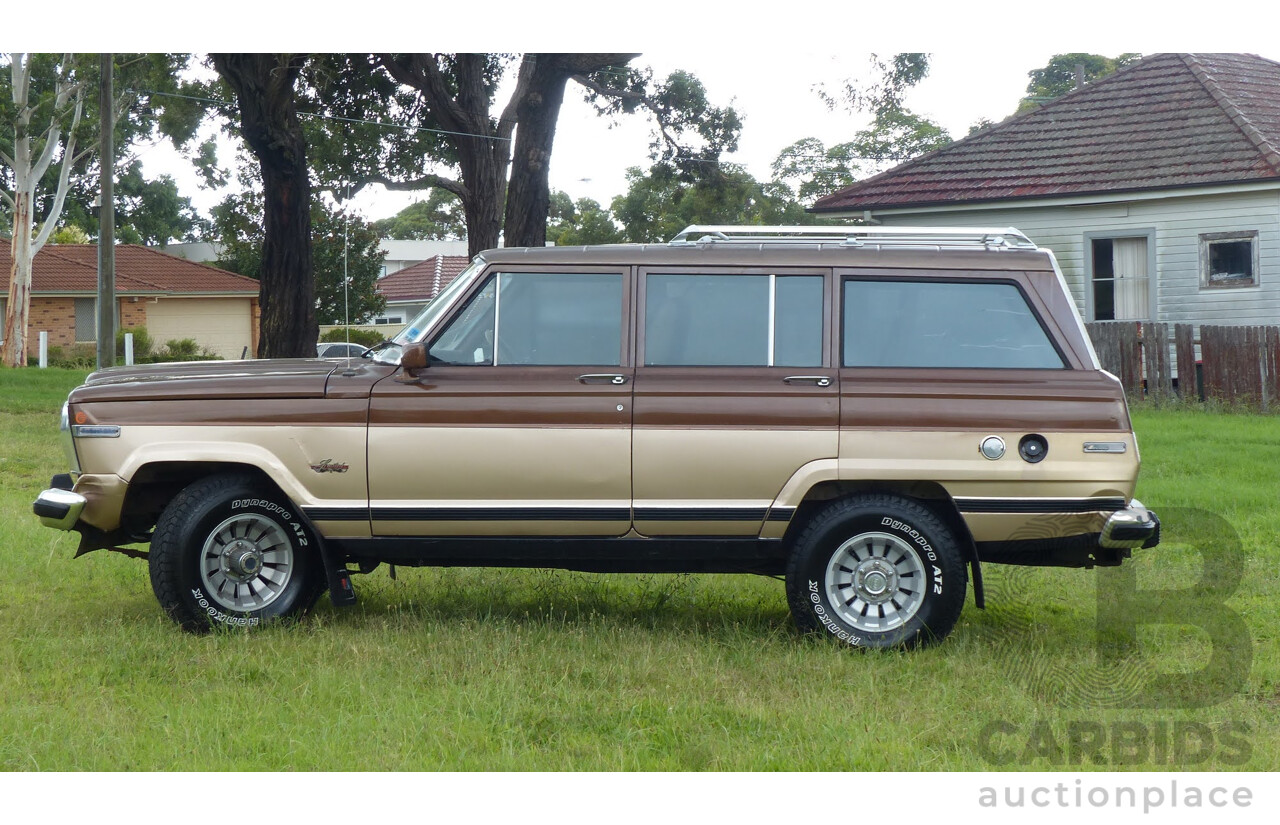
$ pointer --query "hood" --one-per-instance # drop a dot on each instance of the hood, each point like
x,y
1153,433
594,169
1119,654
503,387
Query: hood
x,y
266,378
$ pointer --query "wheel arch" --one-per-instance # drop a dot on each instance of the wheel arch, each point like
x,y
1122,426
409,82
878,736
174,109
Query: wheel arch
x,y
931,494
156,483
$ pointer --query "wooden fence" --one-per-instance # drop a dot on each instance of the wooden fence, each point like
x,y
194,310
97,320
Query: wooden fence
x,y
1236,364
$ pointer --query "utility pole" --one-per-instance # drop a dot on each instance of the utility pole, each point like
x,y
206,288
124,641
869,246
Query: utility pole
x,y
107,222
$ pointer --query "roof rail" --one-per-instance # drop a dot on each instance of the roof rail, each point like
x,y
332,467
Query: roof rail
x,y
938,237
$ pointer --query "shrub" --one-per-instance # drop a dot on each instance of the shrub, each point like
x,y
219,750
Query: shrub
x,y
80,357
142,344
363,337
186,349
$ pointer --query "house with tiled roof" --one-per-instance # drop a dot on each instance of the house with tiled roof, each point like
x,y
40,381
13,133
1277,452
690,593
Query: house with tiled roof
x,y
173,298
1158,188
410,289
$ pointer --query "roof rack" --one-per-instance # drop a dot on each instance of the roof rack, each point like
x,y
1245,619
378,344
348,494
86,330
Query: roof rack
x,y
936,237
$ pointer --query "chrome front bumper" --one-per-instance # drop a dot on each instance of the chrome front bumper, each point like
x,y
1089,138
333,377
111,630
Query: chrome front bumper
x,y
59,509
1134,526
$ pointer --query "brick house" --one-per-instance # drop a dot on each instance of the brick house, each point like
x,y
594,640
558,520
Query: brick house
x,y
173,298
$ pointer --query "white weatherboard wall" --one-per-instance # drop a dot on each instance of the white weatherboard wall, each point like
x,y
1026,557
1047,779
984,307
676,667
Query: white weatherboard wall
x,y
1177,223
224,325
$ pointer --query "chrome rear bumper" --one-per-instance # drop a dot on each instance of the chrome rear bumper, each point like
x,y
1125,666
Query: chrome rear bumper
x,y
59,509
1134,526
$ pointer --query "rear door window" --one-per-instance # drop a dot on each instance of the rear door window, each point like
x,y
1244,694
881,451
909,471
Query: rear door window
x,y
697,320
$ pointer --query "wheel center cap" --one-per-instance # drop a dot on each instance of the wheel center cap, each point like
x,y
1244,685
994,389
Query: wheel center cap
x,y
242,560
876,581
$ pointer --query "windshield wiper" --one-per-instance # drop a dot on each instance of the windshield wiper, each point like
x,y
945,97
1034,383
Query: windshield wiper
x,y
378,347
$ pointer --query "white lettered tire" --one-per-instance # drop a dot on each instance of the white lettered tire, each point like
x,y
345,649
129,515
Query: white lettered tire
x,y
229,551
877,570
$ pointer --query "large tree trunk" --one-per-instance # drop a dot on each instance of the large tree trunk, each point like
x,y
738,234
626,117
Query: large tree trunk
x,y
455,90
264,87
484,174
539,97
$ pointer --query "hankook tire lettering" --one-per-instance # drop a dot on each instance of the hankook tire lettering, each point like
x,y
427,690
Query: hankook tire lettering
x,y
218,616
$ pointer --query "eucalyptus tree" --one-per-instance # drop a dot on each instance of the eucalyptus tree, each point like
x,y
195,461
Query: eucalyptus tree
x,y
49,129
45,118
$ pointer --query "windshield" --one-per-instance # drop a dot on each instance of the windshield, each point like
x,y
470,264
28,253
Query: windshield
x,y
416,330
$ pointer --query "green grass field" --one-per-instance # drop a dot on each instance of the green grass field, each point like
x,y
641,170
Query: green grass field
x,y
544,670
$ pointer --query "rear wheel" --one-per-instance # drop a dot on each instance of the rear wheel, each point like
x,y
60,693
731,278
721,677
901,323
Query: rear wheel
x,y
877,571
228,551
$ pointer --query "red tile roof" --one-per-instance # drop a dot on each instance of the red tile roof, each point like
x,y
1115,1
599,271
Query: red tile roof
x,y
139,270
424,280
1170,120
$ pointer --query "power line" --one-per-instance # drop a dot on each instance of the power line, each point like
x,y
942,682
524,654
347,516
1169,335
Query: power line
x,y
226,104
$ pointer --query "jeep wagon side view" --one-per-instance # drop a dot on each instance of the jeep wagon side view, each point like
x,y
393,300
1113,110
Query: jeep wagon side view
x,y
871,412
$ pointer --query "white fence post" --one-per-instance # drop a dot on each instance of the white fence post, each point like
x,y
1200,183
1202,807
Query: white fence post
x,y
44,349
128,349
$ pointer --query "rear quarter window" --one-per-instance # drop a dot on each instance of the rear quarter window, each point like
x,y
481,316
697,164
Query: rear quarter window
x,y
973,324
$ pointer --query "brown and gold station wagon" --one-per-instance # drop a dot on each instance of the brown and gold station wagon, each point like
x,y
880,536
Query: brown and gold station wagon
x,y
871,412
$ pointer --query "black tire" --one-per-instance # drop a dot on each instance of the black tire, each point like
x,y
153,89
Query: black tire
x,y
854,569
229,551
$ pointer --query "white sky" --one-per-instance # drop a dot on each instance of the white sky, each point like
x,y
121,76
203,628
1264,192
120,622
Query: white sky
x,y
762,59
778,104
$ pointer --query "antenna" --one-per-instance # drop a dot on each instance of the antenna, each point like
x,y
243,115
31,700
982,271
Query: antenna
x,y
346,300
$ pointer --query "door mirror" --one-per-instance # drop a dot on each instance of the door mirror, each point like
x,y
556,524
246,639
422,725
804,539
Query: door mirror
x,y
413,359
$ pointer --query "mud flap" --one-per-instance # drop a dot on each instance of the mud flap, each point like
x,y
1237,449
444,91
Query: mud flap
x,y
341,591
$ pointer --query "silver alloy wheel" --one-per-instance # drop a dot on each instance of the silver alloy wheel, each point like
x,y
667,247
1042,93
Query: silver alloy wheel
x,y
875,582
246,562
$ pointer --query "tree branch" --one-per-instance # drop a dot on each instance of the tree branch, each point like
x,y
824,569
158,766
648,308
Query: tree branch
x,y
421,72
21,70
425,182
64,180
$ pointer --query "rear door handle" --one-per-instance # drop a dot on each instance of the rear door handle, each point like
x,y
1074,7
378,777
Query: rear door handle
x,y
816,380
602,378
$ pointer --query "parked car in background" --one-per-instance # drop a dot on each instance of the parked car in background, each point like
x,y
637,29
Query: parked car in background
x,y
870,413
339,349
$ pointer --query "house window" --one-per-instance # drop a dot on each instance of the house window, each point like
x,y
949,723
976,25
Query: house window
x,y
1121,287
86,319
1228,259
389,319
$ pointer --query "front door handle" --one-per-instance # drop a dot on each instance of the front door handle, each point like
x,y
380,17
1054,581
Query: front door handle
x,y
602,378
816,380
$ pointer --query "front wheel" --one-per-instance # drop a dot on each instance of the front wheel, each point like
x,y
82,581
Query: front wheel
x,y
877,571
228,552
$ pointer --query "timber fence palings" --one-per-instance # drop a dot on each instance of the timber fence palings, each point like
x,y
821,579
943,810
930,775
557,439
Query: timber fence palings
x,y
1238,365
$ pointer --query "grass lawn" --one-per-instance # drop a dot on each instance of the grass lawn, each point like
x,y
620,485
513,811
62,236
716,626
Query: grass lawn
x,y
546,670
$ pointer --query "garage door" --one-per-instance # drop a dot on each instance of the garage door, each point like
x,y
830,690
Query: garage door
x,y
223,325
